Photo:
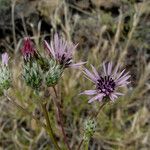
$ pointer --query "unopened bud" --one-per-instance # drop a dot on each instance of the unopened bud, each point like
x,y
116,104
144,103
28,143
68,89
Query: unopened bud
x,y
54,73
5,79
89,129
32,75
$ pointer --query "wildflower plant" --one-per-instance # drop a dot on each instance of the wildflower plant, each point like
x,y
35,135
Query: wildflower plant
x,y
40,71
44,72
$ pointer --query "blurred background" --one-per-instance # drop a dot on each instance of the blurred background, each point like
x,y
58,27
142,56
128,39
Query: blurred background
x,y
106,30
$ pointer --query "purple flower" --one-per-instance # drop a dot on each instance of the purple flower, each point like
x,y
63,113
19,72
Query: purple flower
x,y
28,49
62,51
5,59
106,83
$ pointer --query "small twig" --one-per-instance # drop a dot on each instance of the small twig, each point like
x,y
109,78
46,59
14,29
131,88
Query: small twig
x,y
60,119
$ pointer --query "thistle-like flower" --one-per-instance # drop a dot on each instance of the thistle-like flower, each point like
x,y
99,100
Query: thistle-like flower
x,y
106,83
28,49
62,51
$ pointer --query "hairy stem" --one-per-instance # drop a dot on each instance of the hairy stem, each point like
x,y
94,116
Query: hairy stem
x,y
59,117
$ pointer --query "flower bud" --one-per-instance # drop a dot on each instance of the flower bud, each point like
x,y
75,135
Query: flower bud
x,y
89,129
54,73
28,49
5,79
32,75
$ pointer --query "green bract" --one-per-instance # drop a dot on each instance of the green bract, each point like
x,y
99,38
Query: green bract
x,y
5,79
89,129
54,73
32,74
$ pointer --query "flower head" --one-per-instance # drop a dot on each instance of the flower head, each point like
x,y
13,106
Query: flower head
x,y
54,73
32,75
62,51
106,83
89,128
28,49
5,59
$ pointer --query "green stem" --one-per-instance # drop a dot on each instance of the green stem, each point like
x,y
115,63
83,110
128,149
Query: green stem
x,y
86,145
50,131
100,108
48,128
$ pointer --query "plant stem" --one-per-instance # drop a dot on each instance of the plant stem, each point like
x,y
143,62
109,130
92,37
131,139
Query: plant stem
x,y
47,128
100,108
59,117
50,131
80,144
86,145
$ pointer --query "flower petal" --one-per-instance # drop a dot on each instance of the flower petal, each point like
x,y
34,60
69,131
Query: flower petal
x,y
115,71
109,68
77,65
50,49
97,97
113,96
120,74
95,71
89,92
104,68
90,75
122,81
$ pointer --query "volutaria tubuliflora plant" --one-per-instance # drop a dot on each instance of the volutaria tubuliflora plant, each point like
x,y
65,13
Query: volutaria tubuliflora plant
x,y
44,72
